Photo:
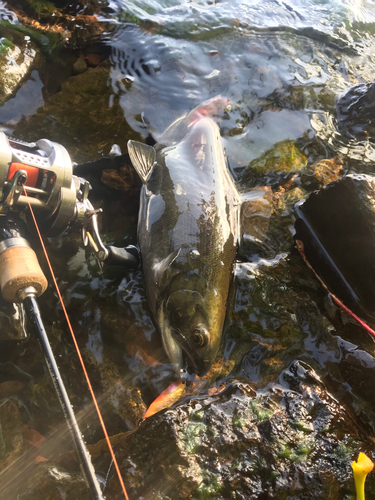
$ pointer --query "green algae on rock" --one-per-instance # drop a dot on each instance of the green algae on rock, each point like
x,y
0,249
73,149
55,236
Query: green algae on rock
x,y
275,165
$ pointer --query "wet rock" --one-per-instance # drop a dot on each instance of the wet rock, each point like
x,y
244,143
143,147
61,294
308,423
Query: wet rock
x,y
336,226
12,321
275,166
121,398
80,65
19,454
48,482
11,435
355,112
81,110
293,440
17,58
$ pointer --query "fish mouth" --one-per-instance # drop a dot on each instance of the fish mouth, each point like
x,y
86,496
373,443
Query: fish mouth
x,y
199,365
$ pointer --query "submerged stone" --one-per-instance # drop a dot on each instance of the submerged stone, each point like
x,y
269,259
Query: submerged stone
x,y
80,65
275,165
326,171
52,23
81,109
49,482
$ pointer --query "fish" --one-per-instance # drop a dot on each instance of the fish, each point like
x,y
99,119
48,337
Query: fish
x,y
188,234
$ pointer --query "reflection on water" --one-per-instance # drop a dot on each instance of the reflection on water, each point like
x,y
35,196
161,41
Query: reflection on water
x,y
326,129
25,103
281,64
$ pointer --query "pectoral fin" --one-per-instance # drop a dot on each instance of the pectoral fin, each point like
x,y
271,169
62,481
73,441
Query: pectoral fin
x,y
143,159
161,269
256,211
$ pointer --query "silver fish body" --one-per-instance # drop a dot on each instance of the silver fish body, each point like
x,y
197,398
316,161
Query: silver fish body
x,y
188,231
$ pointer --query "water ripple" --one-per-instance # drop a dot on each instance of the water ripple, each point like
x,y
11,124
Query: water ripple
x,y
340,19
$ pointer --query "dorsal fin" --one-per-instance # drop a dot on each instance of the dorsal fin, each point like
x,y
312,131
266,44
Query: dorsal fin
x,y
143,158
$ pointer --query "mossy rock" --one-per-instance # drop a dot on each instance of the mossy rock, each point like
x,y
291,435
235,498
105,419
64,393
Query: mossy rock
x,y
283,157
275,165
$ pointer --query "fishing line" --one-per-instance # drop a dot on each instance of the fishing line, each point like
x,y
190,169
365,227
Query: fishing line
x,y
79,354
300,248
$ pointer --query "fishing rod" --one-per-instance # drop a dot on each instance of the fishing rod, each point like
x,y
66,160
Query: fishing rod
x,y
39,193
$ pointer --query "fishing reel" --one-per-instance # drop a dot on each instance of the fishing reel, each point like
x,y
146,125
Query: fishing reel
x,y
40,175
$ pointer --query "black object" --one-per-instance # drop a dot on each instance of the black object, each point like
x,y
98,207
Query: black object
x,y
128,256
337,228
33,313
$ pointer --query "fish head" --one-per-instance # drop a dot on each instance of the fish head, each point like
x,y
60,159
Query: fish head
x,y
191,327
207,109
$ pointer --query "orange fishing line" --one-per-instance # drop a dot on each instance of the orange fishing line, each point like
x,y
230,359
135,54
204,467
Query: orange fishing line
x,y
79,355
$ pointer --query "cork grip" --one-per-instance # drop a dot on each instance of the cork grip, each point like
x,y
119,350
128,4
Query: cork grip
x,y
19,268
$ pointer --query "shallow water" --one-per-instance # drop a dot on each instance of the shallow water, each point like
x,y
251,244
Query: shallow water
x,y
282,65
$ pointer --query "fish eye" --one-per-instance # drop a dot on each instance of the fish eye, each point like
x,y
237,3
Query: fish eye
x,y
201,337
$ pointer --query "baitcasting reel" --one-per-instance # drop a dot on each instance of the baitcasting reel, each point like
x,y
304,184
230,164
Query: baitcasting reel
x,y
41,174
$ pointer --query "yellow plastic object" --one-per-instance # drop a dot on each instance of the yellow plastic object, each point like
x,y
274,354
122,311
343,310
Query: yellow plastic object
x,y
360,469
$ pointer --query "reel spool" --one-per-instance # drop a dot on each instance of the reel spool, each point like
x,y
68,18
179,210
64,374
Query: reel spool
x,y
44,170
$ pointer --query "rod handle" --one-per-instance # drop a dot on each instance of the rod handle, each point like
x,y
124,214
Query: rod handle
x,y
20,269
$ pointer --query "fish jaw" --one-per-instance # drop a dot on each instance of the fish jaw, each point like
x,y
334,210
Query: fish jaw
x,y
171,347
199,361
193,345
183,354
